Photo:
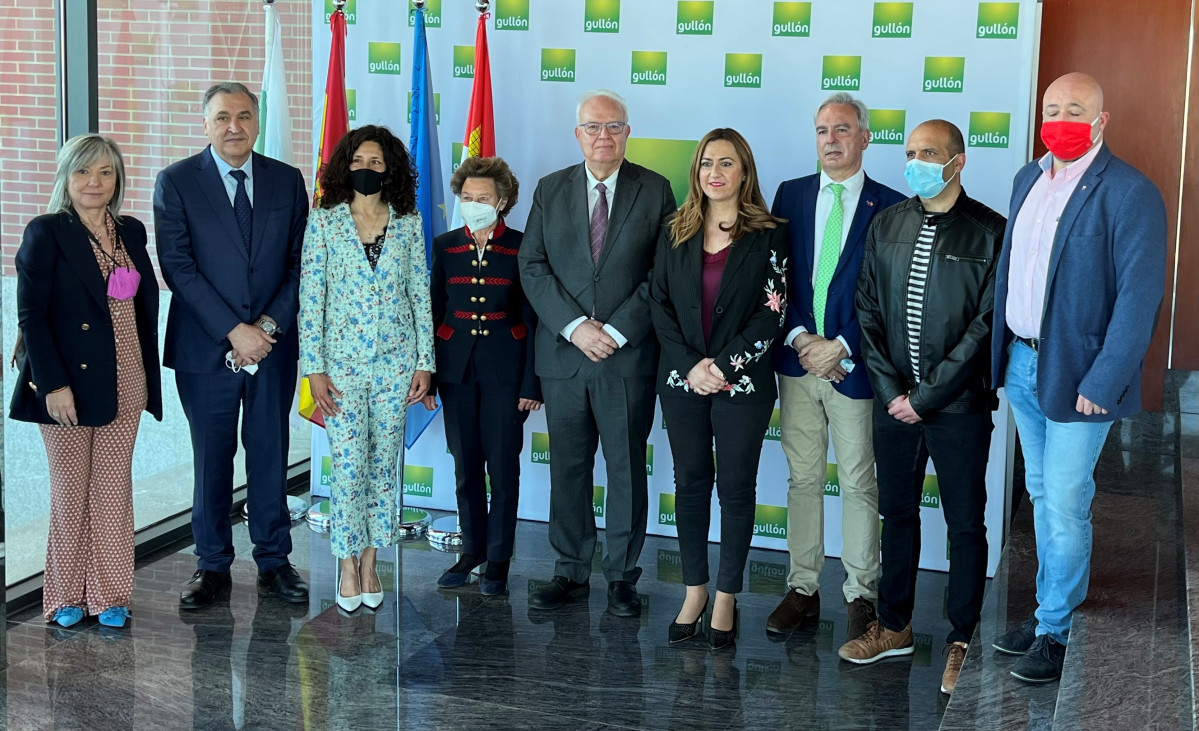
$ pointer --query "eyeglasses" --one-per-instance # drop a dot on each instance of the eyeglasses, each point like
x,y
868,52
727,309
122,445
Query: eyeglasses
x,y
593,128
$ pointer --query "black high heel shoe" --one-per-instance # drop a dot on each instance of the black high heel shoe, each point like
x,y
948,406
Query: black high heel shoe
x,y
683,632
718,638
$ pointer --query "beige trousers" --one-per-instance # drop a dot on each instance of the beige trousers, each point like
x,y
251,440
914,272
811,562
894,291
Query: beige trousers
x,y
809,409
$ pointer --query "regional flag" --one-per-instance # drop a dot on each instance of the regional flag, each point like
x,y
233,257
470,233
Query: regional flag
x,y
335,121
430,196
480,121
273,117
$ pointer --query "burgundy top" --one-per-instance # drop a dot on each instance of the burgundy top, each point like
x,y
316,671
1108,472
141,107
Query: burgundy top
x,y
713,271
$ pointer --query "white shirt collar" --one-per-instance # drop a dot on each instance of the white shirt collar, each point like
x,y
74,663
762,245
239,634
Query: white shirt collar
x,y
853,184
223,167
609,182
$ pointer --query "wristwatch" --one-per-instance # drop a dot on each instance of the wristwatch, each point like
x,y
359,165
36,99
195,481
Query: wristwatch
x,y
267,326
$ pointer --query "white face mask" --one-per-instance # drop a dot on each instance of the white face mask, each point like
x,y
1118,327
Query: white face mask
x,y
477,215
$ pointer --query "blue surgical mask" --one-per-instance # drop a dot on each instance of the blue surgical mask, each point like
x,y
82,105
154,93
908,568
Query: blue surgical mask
x,y
924,178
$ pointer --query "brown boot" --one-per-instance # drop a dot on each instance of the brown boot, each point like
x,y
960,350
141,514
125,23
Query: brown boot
x,y
955,654
878,642
794,611
861,614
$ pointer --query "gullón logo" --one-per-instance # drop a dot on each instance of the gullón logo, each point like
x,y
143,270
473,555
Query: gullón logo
x,y
383,58
558,64
892,20
990,129
770,521
541,442
352,103
695,18
887,126
418,481
743,70
792,19
841,73
649,67
436,108
597,501
930,497
432,14
601,16
326,471
350,11
511,14
669,158
464,62
832,485
944,73
774,430
998,20
649,460
666,515
455,161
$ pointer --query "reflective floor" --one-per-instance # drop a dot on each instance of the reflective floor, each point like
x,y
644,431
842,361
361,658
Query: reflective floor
x,y
433,658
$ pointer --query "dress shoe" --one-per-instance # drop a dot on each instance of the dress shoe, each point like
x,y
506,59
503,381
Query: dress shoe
x,y
459,573
794,611
683,632
1043,661
114,616
67,616
372,599
1018,640
861,613
347,604
204,587
623,599
718,639
559,592
283,582
495,578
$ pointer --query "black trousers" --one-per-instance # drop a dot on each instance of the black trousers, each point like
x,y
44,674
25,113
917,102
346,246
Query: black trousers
x,y
485,432
692,425
958,445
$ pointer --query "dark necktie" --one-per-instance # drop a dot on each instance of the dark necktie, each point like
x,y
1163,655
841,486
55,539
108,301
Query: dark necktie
x,y
242,210
599,223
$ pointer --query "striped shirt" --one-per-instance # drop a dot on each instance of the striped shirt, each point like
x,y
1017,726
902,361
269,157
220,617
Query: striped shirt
x,y
917,278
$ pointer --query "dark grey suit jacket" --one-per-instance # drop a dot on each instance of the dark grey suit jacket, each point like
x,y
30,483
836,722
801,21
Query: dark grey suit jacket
x,y
561,282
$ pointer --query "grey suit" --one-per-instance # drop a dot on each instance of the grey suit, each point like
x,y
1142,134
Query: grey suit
x,y
585,401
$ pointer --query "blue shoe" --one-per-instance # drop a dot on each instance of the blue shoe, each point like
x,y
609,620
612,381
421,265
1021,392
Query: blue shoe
x,y
114,616
67,616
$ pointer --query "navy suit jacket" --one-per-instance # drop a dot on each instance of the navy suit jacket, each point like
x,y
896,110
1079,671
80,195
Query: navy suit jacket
x,y
1106,276
796,202
216,284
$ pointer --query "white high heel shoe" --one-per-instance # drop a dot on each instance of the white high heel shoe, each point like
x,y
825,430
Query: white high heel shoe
x,y
374,599
346,603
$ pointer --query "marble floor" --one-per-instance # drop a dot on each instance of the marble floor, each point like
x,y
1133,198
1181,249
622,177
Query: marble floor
x,y
433,658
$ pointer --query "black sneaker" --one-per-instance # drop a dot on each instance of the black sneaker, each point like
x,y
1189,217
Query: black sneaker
x,y
1043,661
1018,640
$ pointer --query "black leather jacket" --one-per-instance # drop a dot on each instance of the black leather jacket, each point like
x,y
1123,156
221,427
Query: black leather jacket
x,y
959,297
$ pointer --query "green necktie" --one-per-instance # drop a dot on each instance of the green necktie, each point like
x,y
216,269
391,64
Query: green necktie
x,y
830,253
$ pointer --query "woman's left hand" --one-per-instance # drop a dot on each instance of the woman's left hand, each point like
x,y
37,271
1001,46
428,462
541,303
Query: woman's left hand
x,y
528,404
419,387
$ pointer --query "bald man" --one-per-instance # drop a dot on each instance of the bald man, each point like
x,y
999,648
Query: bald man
x,y
924,302
1079,284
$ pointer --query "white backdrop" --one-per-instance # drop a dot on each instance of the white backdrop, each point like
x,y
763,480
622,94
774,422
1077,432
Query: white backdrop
x,y
685,67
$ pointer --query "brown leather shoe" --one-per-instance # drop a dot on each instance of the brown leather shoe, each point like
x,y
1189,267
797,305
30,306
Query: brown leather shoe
x,y
861,614
878,642
794,611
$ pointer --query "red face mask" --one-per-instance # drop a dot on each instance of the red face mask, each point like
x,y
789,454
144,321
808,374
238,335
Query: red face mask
x,y
1067,140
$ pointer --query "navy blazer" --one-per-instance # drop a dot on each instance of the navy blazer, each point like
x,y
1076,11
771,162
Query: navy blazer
x,y
216,283
62,308
1107,273
796,202
480,312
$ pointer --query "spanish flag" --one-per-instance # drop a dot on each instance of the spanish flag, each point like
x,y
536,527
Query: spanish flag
x,y
335,121
480,121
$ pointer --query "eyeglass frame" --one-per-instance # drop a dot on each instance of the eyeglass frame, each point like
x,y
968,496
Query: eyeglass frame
x,y
602,126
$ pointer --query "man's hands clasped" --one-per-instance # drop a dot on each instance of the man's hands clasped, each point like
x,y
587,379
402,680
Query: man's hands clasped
x,y
590,338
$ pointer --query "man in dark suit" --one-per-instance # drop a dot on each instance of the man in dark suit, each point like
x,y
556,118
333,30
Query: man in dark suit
x,y
1077,291
822,377
230,225
584,263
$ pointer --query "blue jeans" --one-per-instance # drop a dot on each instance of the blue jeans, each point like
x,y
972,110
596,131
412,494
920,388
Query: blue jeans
x,y
1059,472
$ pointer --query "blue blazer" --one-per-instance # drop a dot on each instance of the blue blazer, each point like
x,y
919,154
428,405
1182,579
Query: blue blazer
x,y
1106,276
796,202
216,284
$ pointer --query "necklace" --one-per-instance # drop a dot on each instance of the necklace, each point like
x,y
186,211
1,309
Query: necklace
x,y
369,232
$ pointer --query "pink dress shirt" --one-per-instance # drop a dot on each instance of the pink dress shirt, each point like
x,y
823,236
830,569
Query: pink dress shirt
x,y
1033,238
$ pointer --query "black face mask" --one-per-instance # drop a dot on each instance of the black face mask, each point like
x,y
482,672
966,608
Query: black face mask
x,y
366,181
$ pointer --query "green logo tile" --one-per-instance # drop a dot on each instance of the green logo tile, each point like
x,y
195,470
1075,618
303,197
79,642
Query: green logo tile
x,y
352,104
510,14
770,521
792,19
436,108
558,64
601,16
541,442
743,70
350,10
432,14
832,485
669,158
930,497
464,62
892,20
945,73
597,501
841,73
998,20
418,480
774,431
695,18
666,515
888,126
649,67
383,58
455,161
990,129
649,460
326,471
